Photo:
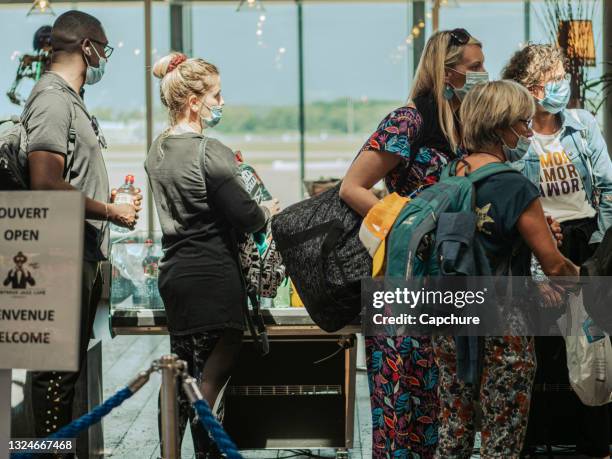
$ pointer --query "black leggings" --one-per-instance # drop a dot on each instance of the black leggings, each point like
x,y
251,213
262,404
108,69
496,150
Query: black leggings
x,y
210,358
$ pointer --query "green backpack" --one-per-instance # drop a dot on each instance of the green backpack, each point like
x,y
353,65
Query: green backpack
x,y
435,233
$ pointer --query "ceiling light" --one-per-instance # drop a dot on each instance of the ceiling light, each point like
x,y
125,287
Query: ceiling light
x,y
250,5
41,7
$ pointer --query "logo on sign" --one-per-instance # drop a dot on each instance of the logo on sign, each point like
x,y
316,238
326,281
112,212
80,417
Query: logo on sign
x,y
19,279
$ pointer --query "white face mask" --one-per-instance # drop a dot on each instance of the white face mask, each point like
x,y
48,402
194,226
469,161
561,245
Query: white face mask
x,y
94,74
216,113
556,96
471,80
515,153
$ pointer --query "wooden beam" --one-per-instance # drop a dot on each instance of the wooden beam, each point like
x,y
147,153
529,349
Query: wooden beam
x,y
435,16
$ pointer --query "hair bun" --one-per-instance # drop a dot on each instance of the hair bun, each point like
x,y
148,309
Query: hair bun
x,y
167,64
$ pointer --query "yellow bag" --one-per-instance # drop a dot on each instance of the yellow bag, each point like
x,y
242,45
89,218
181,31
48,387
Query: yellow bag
x,y
295,300
376,227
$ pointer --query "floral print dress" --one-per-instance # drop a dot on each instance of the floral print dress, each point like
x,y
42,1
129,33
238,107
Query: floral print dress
x,y
402,374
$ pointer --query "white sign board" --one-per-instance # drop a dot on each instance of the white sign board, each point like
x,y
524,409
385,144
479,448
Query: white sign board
x,y
41,258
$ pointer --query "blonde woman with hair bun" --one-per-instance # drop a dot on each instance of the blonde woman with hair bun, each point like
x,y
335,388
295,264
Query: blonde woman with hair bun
x,y
203,211
408,151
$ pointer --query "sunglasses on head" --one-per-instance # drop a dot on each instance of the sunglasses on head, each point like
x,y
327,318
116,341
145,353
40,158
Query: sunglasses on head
x,y
459,37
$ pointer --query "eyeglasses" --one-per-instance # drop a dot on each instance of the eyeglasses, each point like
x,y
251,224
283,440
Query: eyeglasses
x,y
459,37
108,50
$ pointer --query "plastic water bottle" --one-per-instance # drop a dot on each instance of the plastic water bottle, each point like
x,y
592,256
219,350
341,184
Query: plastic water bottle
x,y
135,252
283,295
126,275
150,266
125,195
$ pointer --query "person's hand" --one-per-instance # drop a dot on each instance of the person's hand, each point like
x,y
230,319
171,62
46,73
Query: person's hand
x,y
136,200
273,206
552,296
555,227
124,215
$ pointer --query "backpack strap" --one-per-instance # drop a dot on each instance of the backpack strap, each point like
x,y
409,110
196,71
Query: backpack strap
x,y
488,170
12,119
71,139
479,174
450,170
202,157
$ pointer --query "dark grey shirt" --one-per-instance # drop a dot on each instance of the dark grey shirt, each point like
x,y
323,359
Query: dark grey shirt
x,y
48,118
203,209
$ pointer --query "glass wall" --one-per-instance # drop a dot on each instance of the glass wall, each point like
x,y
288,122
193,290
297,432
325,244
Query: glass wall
x,y
356,69
540,34
483,21
256,52
118,101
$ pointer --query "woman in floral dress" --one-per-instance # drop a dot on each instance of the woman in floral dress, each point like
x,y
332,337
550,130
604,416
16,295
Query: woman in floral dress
x,y
408,150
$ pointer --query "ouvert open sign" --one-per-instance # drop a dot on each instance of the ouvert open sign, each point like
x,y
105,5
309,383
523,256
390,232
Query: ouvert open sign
x,y
41,253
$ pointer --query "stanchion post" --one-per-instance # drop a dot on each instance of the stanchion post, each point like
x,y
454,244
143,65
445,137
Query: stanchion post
x,y
169,407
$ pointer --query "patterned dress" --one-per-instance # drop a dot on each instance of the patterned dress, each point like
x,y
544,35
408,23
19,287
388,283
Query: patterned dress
x,y
402,374
509,364
505,394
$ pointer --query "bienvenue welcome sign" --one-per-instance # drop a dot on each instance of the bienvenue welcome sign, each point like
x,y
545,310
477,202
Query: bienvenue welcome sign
x,y
41,253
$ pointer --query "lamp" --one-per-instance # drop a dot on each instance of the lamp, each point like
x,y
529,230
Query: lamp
x,y
41,7
576,38
248,5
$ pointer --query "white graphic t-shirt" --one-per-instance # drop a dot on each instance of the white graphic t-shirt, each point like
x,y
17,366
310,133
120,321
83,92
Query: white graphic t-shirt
x,y
561,187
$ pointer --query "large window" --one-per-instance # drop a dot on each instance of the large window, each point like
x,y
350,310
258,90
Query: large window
x,y
256,52
17,37
484,21
541,34
118,101
357,68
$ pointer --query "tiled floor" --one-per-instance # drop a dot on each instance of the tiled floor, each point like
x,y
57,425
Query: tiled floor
x,y
130,431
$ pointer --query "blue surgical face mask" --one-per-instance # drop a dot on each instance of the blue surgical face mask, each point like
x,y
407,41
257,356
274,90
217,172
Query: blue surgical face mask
x,y
522,146
471,80
95,74
556,96
216,113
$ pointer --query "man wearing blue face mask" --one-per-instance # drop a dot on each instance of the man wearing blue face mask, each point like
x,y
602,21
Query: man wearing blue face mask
x,y
64,154
568,160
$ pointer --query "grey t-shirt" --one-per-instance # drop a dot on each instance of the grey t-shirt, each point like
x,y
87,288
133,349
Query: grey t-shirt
x,y
203,209
47,119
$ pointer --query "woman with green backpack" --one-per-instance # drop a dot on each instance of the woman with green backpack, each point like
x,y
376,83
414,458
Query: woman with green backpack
x,y
496,119
408,150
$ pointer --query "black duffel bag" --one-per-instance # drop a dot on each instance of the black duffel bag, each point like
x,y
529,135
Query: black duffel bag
x,y
319,242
